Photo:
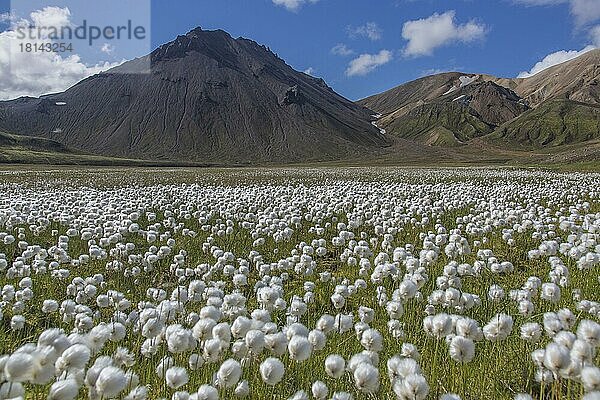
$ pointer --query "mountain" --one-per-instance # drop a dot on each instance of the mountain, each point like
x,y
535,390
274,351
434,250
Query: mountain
x,y
206,97
575,80
558,106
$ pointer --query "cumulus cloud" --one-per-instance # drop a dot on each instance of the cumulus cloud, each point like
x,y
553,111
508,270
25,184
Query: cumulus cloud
x,y
425,35
341,49
554,59
310,71
370,30
293,5
366,63
37,73
51,16
583,11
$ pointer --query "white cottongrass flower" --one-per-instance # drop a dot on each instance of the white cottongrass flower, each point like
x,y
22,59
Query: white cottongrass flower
x,y
342,396
590,377
299,395
335,366
531,332
75,357
67,389
176,377
195,361
229,373
556,357
17,322
318,339
372,340
299,348
110,382
242,389
498,328
319,390
207,392
366,378
413,387
462,350
590,332
440,325
255,340
49,306
550,292
450,396
18,367
272,371
12,390
409,350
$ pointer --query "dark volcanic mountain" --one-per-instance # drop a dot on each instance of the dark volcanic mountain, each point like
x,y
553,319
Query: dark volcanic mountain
x,y
558,106
207,97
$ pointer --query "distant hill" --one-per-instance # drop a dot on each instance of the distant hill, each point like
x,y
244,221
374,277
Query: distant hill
x,y
207,98
10,141
557,106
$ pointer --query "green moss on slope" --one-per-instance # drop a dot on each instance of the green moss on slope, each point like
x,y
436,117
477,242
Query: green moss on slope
x,y
553,123
419,123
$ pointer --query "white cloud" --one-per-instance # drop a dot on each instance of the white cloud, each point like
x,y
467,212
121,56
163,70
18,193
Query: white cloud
x,y
293,5
107,48
310,71
6,17
370,30
425,35
585,11
37,73
51,17
341,49
366,63
554,59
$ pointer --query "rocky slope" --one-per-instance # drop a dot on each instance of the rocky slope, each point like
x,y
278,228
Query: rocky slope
x,y
207,98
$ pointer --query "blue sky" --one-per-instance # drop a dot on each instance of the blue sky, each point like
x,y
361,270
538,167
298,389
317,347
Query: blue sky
x,y
499,37
517,36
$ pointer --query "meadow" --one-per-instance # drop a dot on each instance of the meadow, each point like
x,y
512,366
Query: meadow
x,y
299,283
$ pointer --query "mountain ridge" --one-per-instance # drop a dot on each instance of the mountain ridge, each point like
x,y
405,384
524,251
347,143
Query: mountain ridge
x,y
506,112
207,98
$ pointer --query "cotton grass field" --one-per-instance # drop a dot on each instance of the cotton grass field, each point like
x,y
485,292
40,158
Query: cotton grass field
x,y
328,283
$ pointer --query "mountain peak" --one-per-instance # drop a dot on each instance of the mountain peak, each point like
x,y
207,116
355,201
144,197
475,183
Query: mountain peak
x,y
199,33
202,41
197,30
